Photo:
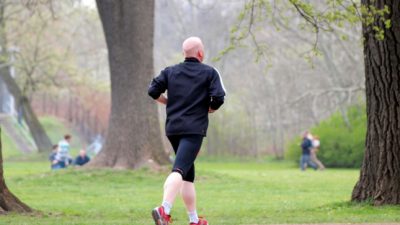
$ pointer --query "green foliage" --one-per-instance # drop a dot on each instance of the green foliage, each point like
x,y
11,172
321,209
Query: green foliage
x,y
317,16
341,146
228,193
253,14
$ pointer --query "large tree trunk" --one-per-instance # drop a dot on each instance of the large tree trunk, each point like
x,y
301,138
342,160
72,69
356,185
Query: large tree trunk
x,y
380,173
8,201
134,133
39,135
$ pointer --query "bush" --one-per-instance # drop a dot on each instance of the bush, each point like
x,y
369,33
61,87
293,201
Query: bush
x,y
341,145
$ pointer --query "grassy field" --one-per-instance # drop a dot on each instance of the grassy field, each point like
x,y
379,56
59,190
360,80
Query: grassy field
x,y
10,149
229,193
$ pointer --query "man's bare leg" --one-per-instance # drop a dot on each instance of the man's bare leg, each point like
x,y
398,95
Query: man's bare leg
x,y
188,192
172,186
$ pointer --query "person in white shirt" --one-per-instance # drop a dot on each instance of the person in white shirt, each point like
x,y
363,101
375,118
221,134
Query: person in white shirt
x,y
315,148
63,156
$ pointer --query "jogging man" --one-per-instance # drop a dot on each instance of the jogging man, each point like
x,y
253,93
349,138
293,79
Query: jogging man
x,y
194,90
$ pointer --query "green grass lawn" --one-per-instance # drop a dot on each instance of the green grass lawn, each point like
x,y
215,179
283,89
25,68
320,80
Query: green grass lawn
x,y
228,193
10,150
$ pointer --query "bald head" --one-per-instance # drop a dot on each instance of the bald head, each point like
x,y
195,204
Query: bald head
x,y
193,47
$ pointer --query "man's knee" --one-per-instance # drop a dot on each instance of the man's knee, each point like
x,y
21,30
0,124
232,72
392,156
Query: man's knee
x,y
186,175
173,178
180,171
189,177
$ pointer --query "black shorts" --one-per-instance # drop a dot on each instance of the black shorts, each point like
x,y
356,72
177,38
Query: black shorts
x,y
186,148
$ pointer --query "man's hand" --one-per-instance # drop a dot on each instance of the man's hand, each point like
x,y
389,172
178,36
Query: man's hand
x,y
210,110
162,99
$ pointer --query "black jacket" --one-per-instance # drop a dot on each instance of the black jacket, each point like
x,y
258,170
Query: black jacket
x,y
306,146
192,87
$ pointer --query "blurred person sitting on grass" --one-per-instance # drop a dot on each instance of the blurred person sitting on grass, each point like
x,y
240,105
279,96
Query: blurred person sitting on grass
x,y
82,158
52,157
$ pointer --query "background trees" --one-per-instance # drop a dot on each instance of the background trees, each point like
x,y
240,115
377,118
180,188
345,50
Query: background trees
x,y
297,90
379,179
269,101
58,62
274,99
9,11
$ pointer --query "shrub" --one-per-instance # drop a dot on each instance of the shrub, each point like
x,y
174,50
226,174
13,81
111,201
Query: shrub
x,y
341,145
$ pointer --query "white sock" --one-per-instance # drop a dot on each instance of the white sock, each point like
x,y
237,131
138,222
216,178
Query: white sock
x,y
193,217
167,207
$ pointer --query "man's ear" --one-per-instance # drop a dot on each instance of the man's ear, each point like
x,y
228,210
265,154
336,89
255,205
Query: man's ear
x,y
200,54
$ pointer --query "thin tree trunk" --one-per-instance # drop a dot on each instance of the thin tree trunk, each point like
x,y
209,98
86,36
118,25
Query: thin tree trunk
x,y
39,135
134,133
8,201
380,173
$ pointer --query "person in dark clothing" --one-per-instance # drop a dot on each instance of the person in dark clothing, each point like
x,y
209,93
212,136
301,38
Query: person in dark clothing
x,y
194,90
54,164
306,146
82,158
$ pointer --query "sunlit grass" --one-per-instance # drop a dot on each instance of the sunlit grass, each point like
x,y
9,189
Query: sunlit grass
x,y
229,193
9,148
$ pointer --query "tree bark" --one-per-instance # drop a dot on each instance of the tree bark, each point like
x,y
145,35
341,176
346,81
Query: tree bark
x,y
380,173
8,201
134,133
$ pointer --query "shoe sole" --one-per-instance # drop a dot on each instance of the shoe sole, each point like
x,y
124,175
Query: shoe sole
x,y
157,217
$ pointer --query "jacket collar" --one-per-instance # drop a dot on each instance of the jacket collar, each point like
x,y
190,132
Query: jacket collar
x,y
192,59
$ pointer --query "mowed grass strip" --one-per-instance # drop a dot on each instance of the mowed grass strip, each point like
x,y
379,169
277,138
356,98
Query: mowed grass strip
x,y
228,193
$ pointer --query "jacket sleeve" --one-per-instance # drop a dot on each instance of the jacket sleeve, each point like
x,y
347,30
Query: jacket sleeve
x,y
158,85
216,90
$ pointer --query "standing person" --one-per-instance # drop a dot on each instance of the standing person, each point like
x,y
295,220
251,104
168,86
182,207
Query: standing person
x,y
82,158
306,146
315,148
63,156
194,90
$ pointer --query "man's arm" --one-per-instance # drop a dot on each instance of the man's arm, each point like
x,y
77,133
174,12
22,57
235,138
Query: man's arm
x,y
215,103
158,86
216,92
162,99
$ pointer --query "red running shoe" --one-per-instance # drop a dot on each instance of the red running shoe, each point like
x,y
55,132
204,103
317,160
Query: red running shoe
x,y
160,217
202,221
